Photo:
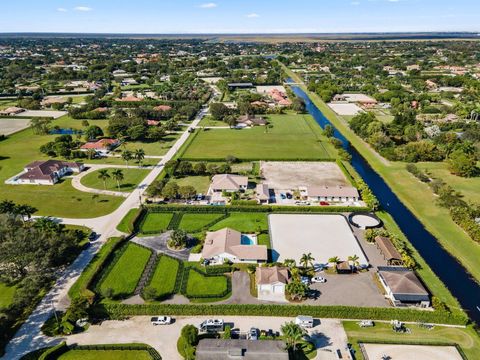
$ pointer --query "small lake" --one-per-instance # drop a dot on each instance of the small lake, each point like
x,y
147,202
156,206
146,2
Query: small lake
x,y
445,266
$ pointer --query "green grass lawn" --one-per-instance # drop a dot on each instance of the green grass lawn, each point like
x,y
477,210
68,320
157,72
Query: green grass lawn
x,y
6,295
292,137
126,272
200,183
210,121
60,199
418,197
132,177
243,222
194,222
106,355
164,277
124,225
158,148
469,187
199,285
156,222
382,332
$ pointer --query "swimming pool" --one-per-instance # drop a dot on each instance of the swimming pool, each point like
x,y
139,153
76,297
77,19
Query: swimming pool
x,y
248,239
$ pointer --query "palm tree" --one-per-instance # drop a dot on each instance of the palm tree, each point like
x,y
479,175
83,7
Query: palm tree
x,y
293,334
354,259
118,176
104,175
139,156
25,211
334,260
127,156
307,259
91,153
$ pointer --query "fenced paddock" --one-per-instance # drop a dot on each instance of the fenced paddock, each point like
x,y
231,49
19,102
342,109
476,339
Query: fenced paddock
x,y
409,352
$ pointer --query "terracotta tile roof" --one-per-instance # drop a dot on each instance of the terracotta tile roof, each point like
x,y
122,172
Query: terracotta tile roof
x,y
100,144
162,108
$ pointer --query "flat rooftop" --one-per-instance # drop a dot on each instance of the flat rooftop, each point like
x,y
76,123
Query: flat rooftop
x,y
324,235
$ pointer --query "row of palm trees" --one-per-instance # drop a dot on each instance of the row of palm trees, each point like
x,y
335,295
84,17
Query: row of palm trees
x,y
117,175
307,261
138,155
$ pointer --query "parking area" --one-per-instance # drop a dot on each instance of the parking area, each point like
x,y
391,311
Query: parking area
x,y
357,289
324,235
408,352
327,334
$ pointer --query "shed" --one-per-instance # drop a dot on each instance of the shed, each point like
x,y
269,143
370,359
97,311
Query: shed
x,y
389,252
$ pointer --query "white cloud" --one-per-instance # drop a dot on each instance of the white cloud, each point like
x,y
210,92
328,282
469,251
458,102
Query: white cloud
x,y
253,15
210,5
82,8
62,9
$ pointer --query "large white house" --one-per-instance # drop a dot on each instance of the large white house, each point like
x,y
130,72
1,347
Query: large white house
x,y
45,172
231,245
228,183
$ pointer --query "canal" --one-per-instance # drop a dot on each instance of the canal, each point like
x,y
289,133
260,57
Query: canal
x,y
444,265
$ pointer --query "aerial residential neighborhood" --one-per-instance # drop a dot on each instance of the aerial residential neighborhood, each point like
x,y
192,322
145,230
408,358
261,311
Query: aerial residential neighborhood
x,y
240,180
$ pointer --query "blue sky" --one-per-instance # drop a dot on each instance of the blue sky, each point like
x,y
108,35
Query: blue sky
x,y
238,16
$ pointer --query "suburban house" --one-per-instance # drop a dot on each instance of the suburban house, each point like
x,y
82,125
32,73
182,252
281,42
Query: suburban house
x,y
362,100
48,102
262,193
329,193
223,349
162,108
402,286
390,254
12,110
231,245
102,146
250,120
271,282
228,183
280,97
46,172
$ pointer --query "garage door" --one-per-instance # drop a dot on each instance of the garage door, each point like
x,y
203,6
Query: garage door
x,y
278,289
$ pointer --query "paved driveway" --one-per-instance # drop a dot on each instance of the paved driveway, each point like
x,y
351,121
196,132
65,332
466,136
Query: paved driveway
x,y
348,289
328,334
159,245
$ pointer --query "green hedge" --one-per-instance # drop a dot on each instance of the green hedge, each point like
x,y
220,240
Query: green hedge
x,y
175,222
218,269
82,286
263,208
260,158
119,311
245,203
54,352
120,347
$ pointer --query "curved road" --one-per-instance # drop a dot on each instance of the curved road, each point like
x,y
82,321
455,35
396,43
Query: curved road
x,y
29,337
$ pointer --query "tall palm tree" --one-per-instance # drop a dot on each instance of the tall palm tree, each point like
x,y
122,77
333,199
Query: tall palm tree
x,y
104,175
293,334
117,174
25,211
139,156
127,156
307,259
91,153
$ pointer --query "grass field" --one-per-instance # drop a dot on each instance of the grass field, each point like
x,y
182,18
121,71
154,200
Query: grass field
x,y
165,276
156,222
200,183
194,222
106,355
132,177
199,285
244,222
291,137
382,332
6,295
126,272
158,148
418,197
469,187
124,225
210,121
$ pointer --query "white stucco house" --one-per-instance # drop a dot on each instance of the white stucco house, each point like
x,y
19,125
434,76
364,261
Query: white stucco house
x,y
271,283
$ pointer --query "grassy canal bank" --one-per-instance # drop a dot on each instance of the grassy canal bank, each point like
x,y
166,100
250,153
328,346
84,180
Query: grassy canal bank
x,y
417,196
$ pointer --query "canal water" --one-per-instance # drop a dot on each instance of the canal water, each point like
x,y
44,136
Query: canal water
x,y
453,275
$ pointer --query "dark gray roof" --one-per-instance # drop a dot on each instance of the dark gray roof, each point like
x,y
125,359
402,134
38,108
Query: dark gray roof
x,y
219,349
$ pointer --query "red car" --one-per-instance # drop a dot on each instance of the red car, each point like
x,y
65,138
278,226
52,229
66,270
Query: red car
x,y
324,203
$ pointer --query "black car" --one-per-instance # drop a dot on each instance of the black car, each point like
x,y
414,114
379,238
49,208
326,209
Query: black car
x,y
93,236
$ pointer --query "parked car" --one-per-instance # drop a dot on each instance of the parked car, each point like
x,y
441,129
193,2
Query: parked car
x,y
161,320
93,236
324,203
211,325
305,280
318,267
319,279
253,334
283,196
289,196
366,323
304,321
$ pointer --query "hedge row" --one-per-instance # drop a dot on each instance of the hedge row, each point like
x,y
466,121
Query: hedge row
x,y
211,223
120,347
99,262
218,269
263,208
54,352
134,224
260,158
175,222
119,311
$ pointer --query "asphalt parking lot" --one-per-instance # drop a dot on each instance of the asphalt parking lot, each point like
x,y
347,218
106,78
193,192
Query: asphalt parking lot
x,y
328,334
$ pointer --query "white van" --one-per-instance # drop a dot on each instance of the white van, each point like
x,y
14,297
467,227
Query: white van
x,y
304,321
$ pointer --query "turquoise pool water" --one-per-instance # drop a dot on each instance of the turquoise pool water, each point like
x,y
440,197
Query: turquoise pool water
x,y
247,240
